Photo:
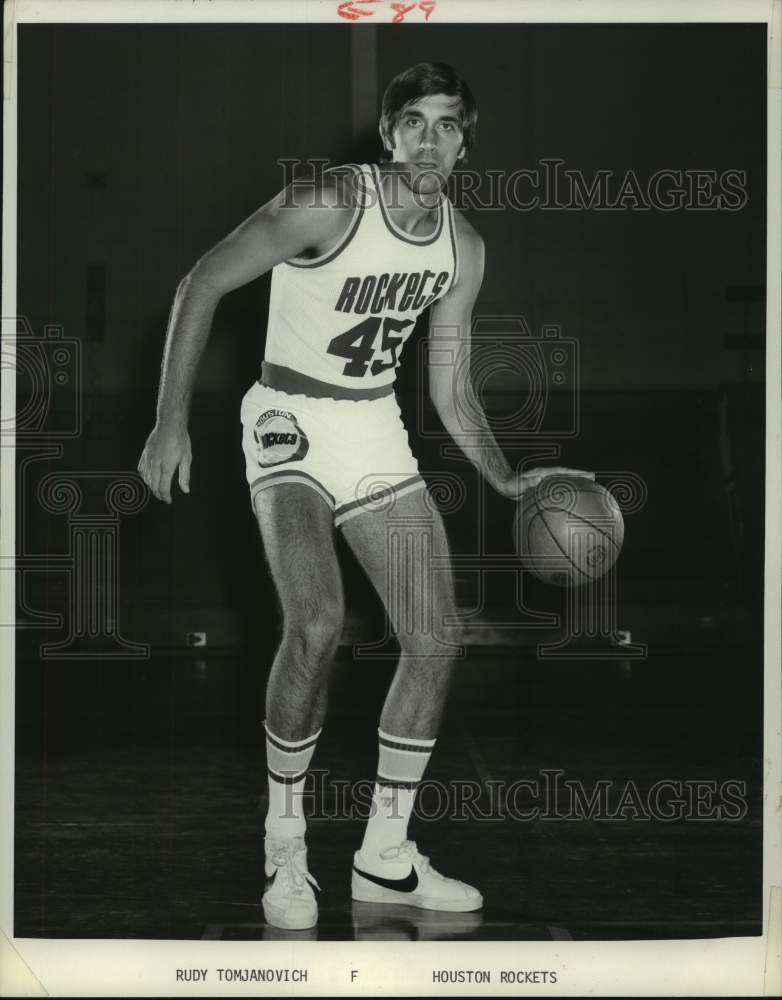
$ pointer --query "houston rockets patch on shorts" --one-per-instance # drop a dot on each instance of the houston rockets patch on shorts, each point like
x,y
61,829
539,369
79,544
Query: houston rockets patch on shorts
x,y
279,438
354,453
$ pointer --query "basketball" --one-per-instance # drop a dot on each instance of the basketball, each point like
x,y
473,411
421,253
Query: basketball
x,y
568,530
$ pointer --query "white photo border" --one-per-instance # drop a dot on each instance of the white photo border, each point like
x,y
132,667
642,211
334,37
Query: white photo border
x,y
731,966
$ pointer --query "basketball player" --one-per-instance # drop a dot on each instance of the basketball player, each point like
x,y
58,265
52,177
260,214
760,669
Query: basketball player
x,y
356,257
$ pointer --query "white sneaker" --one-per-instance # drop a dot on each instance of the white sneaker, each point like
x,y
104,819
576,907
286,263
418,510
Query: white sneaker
x,y
289,901
422,886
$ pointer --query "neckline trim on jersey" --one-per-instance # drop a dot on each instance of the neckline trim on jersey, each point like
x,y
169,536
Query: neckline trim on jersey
x,y
420,241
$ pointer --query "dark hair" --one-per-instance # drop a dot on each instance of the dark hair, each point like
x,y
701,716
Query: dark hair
x,y
423,80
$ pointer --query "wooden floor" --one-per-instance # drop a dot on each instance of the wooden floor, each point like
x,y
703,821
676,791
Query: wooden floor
x,y
140,796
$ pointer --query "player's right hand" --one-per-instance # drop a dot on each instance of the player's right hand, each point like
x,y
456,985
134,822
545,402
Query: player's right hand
x,y
167,449
519,483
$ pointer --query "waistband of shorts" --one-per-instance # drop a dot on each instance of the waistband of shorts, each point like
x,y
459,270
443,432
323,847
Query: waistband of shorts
x,y
288,380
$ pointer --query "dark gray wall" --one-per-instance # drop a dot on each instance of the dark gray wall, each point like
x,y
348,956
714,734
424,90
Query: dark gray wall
x,y
185,125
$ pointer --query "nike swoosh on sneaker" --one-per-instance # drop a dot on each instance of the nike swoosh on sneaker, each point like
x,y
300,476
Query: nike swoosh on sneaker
x,y
407,884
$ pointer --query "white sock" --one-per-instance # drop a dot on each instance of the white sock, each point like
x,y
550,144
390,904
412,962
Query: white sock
x,y
286,764
402,761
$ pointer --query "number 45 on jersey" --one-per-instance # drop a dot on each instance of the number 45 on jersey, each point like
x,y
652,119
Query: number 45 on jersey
x,y
359,345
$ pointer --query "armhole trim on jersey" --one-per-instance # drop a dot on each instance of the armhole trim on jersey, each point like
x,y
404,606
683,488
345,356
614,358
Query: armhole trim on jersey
x,y
400,234
454,245
349,233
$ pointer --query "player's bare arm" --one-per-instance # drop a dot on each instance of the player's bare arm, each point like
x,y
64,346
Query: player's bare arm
x,y
467,425
307,217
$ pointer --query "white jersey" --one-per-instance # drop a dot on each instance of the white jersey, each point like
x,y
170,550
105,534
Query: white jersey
x,y
338,322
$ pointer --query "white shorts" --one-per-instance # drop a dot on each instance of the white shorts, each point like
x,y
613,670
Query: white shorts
x,y
353,453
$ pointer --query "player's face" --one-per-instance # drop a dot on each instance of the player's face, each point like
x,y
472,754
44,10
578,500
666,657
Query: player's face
x,y
428,137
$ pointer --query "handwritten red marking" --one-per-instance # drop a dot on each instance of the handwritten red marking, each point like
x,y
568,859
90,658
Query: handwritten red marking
x,y
401,9
351,12
427,7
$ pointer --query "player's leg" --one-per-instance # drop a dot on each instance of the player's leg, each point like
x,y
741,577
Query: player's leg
x,y
396,549
297,529
298,536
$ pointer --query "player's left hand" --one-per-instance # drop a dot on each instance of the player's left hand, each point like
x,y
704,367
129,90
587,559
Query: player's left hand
x,y
518,483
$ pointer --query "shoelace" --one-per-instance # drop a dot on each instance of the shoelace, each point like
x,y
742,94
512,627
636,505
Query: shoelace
x,y
284,857
409,849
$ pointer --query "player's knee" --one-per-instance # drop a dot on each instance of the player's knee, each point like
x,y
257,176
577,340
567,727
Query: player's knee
x,y
430,647
313,644
314,628
442,635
